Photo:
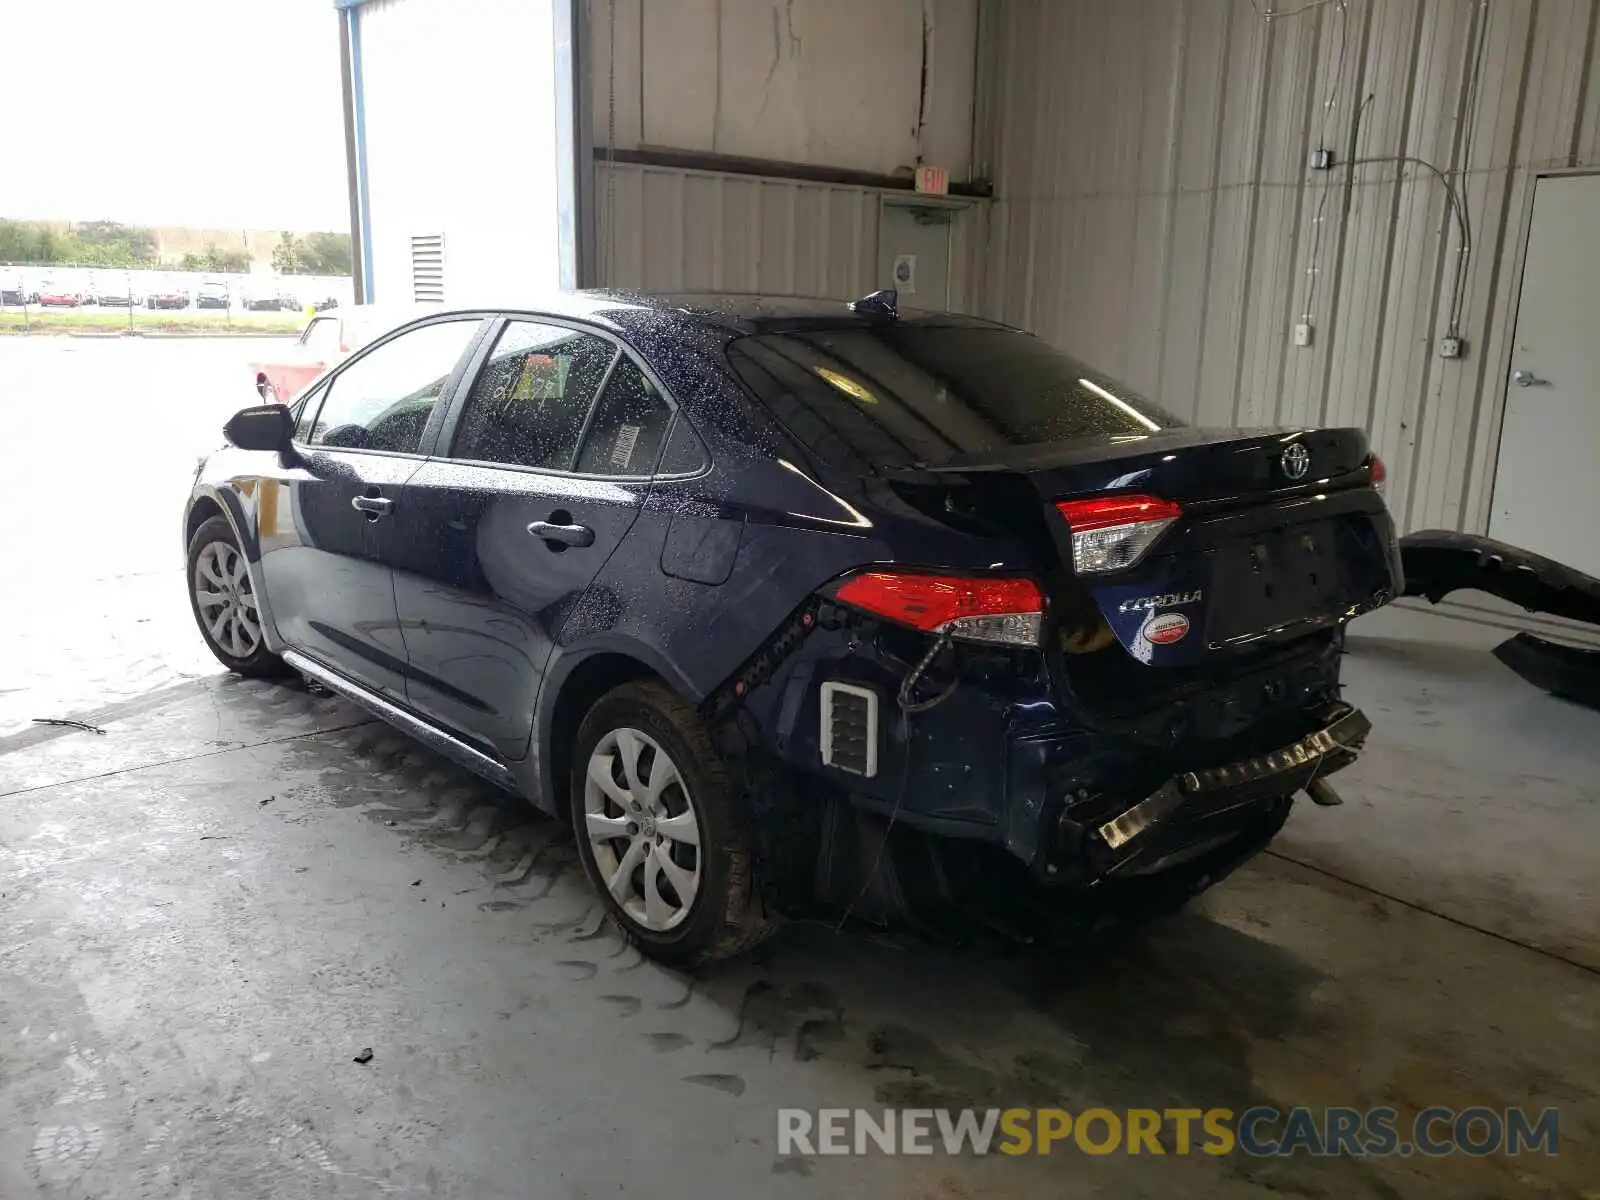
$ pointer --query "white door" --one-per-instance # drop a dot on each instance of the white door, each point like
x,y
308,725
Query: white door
x,y
1547,486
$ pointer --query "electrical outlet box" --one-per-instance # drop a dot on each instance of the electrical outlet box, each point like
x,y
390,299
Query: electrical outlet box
x,y
1302,334
1322,159
1452,347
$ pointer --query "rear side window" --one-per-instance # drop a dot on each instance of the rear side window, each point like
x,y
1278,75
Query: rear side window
x,y
530,400
629,425
908,395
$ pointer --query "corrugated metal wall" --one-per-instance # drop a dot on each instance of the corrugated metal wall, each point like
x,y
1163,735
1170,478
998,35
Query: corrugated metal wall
x,y
873,85
1155,211
682,230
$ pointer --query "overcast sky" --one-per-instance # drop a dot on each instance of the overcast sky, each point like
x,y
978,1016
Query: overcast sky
x,y
205,113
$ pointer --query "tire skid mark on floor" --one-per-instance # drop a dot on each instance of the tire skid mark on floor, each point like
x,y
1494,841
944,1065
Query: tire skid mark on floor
x,y
528,859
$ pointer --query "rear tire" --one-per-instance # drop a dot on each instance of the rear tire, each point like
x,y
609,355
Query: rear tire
x,y
223,601
660,828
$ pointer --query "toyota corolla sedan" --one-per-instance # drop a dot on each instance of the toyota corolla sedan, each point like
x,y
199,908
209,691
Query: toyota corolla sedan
x,y
793,604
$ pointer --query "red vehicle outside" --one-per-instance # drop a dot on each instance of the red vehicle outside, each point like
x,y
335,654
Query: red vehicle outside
x,y
51,296
328,340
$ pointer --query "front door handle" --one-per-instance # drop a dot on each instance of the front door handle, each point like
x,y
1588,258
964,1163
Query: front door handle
x,y
373,506
1528,379
562,535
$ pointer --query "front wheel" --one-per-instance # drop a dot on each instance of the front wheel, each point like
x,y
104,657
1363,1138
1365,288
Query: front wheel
x,y
660,830
224,603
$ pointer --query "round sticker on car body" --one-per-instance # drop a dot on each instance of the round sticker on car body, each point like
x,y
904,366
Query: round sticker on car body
x,y
1165,628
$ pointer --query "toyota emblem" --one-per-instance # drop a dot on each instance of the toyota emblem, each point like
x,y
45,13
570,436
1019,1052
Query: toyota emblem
x,y
1296,461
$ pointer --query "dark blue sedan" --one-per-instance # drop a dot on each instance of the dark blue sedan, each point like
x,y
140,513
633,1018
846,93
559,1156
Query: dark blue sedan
x,y
789,604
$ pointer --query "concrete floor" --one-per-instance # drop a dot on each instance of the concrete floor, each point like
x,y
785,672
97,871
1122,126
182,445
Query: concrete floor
x,y
208,910
212,907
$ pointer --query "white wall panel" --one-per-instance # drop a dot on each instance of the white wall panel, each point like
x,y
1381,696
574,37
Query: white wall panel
x,y
460,121
836,83
1154,210
666,229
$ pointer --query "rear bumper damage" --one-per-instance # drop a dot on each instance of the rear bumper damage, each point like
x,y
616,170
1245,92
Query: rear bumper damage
x,y
1001,794
1196,811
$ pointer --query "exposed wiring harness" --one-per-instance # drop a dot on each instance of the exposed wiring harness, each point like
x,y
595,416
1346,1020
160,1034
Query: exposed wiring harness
x,y
908,708
908,686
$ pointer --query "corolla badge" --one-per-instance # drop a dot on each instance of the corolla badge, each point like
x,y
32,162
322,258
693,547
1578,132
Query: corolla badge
x,y
1296,461
1168,600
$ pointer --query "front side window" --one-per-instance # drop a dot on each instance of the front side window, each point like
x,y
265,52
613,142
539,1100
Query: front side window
x,y
529,402
383,400
305,412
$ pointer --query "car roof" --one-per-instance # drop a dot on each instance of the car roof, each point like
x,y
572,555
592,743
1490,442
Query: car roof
x,y
737,312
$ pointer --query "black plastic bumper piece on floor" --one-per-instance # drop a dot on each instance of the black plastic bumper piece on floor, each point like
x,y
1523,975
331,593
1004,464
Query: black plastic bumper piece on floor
x,y
1570,672
1438,562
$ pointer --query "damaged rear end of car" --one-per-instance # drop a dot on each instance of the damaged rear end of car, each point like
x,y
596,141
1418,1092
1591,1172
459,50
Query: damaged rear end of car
x,y
1090,657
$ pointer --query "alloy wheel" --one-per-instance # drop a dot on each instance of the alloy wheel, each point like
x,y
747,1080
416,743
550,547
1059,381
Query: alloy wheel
x,y
640,821
224,599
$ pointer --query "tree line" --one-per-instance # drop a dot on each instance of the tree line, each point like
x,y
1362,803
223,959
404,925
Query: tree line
x,y
314,254
92,244
110,244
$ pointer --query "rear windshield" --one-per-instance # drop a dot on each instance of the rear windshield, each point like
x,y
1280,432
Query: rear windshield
x,y
913,396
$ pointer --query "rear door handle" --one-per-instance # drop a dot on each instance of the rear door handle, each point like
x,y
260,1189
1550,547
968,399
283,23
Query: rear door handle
x,y
562,535
375,506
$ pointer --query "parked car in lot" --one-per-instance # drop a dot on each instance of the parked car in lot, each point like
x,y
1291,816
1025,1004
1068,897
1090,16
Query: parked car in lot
x,y
53,295
786,601
14,291
326,340
115,295
271,302
212,295
167,297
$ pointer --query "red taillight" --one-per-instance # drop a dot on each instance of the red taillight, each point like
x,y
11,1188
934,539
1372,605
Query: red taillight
x,y
1104,511
973,608
1379,471
1113,532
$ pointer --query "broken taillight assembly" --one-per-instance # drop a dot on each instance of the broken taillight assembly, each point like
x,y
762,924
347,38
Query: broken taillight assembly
x,y
1378,471
973,608
1113,532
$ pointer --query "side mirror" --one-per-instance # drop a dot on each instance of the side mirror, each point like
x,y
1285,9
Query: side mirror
x,y
262,427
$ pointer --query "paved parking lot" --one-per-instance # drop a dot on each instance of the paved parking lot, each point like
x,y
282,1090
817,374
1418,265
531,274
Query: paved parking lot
x,y
208,910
